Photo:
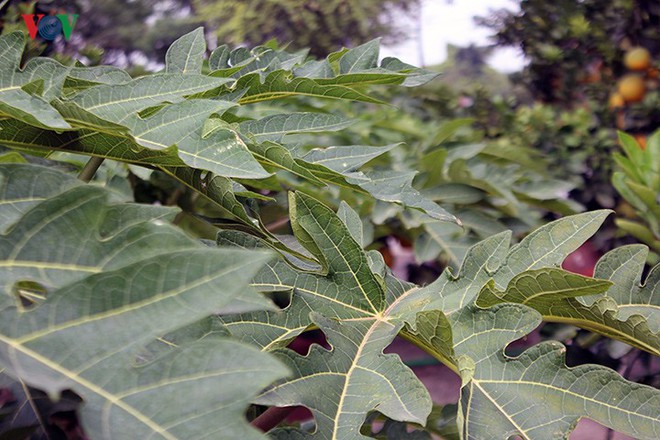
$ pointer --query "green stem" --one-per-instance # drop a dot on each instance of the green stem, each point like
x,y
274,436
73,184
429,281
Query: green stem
x,y
90,168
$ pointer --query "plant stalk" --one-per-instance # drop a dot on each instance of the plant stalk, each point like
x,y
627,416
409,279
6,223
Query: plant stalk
x,y
90,168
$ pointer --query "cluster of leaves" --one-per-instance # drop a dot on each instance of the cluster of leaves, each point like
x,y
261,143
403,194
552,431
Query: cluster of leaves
x,y
109,300
320,26
491,186
554,159
188,124
576,53
576,148
639,184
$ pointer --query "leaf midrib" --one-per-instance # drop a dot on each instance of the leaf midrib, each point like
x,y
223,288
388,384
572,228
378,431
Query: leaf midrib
x,y
380,318
358,282
603,330
88,385
162,296
562,390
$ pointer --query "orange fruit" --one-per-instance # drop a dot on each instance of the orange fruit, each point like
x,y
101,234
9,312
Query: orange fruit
x,y
632,88
616,100
637,58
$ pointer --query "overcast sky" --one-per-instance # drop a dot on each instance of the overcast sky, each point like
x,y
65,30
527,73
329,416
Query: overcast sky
x,y
452,22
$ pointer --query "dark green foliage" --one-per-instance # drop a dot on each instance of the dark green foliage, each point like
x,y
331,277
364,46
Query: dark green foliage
x,y
323,26
166,336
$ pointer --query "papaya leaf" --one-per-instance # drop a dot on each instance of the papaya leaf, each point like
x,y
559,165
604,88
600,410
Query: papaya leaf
x,y
186,54
359,65
281,84
554,292
170,137
485,276
535,395
23,186
372,310
348,290
114,278
360,58
21,136
624,267
83,77
275,127
443,238
358,376
396,187
500,393
276,155
116,102
15,101
345,284
352,221
344,159
221,151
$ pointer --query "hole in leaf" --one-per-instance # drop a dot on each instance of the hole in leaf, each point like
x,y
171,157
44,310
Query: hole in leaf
x,y
303,342
587,429
300,415
582,260
379,426
32,411
267,418
442,420
150,111
558,332
515,348
6,397
29,294
280,299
